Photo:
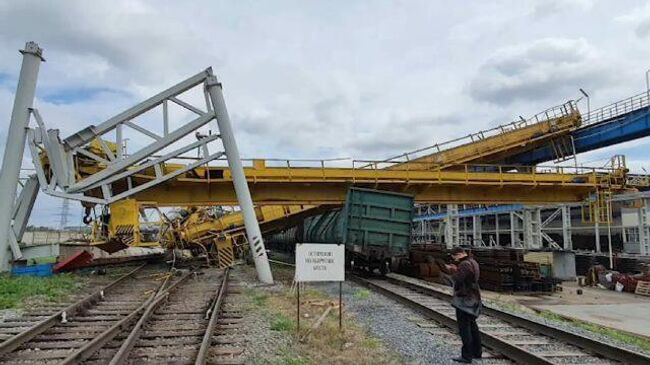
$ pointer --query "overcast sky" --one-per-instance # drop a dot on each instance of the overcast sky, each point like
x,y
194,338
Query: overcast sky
x,y
307,79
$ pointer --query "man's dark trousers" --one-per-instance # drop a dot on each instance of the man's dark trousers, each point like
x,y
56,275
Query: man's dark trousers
x,y
469,334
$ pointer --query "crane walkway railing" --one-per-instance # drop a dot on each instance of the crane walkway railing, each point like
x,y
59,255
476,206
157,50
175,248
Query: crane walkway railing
x,y
617,109
295,171
555,112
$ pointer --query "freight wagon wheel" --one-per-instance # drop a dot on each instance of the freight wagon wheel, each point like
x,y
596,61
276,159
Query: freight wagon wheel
x,y
384,269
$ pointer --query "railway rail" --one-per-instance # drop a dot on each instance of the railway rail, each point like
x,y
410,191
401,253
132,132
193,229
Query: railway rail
x,y
516,338
149,315
17,331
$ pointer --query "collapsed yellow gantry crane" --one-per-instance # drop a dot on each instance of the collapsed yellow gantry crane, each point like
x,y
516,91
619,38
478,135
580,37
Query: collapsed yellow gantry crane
x,y
285,192
281,193
482,147
87,164
492,145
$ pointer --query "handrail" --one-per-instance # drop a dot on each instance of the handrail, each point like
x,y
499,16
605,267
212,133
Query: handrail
x,y
615,165
616,109
555,112
360,168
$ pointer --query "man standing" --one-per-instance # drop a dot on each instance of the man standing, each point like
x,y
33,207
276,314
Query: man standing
x,y
467,301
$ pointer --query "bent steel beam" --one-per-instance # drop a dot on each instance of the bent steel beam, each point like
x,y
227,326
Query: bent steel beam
x,y
13,156
239,182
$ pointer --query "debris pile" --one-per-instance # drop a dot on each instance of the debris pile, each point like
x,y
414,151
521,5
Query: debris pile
x,y
600,277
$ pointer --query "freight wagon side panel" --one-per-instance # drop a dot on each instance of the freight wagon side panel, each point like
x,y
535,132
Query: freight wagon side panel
x,y
376,223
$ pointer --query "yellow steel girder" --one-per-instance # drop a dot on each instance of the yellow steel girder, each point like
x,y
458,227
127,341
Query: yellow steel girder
x,y
305,185
194,229
503,141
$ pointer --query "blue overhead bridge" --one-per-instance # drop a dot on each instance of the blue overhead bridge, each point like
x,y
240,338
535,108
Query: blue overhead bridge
x,y
620,122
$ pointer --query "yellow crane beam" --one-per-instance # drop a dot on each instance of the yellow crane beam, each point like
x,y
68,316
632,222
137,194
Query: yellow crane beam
x,y
484,146
195,228
315,186
497,143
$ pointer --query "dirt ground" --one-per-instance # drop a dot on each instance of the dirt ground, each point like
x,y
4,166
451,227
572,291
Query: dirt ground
x,y
281,343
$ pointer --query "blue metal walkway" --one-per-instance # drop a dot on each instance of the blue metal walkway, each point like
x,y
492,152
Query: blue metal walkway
x,y
620,122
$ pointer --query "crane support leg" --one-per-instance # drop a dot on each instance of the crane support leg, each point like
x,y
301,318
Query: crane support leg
x,y
13,156
239,181
22,211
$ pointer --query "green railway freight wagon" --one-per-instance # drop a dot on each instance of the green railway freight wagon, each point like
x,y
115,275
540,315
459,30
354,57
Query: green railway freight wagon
x,y
374,225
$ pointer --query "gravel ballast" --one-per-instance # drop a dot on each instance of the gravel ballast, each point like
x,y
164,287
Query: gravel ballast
x,y
400,328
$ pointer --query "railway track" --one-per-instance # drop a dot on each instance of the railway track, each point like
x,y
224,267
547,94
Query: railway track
x,y
9,327
148,315
16,331
503,334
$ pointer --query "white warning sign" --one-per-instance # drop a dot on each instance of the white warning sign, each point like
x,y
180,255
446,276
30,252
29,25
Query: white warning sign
x,y
320,262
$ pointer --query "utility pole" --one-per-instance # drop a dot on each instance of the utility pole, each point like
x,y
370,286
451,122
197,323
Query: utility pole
x,y
15,146
588,101
253,232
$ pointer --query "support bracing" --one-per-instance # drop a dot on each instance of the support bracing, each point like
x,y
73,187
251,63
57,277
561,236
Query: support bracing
x,y
566,228
13,155
22,211
118,173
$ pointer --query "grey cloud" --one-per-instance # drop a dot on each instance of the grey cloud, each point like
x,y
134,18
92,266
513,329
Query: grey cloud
x,y
642,30
112,37
547,68
547,8
327,110
638,19
403,135
327,79
254,125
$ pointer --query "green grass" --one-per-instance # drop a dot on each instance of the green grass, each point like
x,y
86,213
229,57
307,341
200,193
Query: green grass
x,y
606,331
371,343
282,323
362,294
14,290
289,359
259,299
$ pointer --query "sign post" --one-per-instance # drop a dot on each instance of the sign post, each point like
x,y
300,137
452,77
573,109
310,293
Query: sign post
x,y
319,262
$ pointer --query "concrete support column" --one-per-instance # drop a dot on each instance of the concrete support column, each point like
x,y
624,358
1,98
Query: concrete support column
x,y
597,228
644,229
239,181
567,239
477,231
496,229
15,146
513,233
532,228
452,226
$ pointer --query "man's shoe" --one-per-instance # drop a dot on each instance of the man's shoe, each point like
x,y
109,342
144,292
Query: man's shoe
x,y
462,359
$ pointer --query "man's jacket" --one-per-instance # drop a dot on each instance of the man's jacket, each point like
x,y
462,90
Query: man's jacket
x,y
467,295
